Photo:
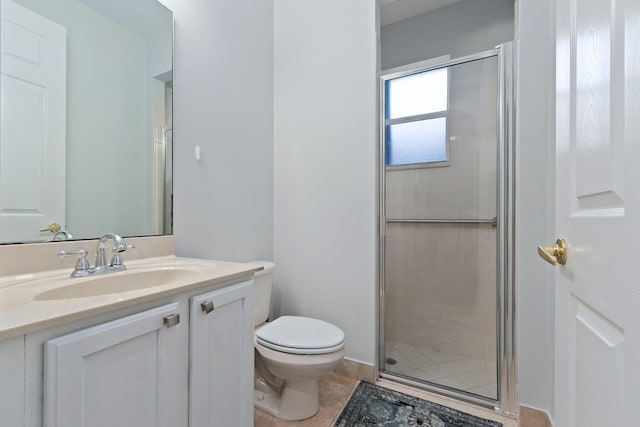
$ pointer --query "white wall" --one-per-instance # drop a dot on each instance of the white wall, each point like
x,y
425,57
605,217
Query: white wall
x,y
160,58
535,171
463,28
325,157
325,165
223,102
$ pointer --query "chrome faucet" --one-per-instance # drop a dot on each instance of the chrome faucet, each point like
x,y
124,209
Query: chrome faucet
x,y
101,254
62,235
83,267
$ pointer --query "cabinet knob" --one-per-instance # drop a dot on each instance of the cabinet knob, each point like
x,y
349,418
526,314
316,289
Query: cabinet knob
x,y
207,307
171,320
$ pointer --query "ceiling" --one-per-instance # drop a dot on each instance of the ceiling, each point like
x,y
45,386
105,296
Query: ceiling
x,y
392,11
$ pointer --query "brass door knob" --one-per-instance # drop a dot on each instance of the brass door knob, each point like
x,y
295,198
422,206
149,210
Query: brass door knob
x,y
54,227
554,255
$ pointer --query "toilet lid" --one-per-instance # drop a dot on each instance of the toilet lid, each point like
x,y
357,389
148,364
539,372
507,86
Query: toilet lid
x,y
300,335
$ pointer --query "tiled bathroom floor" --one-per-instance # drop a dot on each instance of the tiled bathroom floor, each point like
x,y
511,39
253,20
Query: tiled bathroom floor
x,y
453,370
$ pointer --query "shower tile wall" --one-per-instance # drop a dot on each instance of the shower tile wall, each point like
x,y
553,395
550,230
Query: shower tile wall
x,y
443,295
440,279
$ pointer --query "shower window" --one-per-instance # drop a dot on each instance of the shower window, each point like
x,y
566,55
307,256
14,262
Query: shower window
x,y
416,119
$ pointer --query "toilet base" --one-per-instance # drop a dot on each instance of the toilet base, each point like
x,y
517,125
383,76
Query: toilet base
x,y
297,400
286,384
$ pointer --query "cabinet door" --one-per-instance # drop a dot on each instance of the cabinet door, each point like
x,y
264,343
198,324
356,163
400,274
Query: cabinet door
x,y
221,350
121,373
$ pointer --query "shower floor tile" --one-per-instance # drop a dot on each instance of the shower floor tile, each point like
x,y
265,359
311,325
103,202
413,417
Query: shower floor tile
x,y
449,369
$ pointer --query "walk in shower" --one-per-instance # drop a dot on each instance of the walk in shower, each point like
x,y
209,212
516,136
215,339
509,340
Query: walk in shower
x,y
446,209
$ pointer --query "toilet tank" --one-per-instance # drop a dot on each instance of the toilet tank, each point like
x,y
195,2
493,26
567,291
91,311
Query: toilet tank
x,y
262,290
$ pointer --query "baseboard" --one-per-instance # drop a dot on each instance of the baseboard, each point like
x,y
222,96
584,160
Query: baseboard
x,y
530,417
356,370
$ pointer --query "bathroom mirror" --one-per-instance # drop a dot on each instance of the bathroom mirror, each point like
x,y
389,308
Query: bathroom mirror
x,y
86,119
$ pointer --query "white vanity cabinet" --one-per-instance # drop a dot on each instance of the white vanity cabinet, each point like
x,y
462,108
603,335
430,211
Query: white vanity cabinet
x,y
12,381
221,357
127,372
137,366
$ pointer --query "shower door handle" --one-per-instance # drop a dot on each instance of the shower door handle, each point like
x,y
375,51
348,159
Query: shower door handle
x,y
554,255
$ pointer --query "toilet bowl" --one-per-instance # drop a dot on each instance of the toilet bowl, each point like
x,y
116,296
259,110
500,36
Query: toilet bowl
x,y
291,353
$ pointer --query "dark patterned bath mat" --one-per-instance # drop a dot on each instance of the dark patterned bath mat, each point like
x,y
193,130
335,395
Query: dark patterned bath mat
x,y
371,405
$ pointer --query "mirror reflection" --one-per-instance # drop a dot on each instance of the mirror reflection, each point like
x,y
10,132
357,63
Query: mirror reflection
x,y
85,119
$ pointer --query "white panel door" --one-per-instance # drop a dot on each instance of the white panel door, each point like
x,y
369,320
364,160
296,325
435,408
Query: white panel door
x,y
221,351
122,373
33,124
598,213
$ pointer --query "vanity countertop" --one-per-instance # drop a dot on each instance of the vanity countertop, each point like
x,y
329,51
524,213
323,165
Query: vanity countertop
x,y
32,302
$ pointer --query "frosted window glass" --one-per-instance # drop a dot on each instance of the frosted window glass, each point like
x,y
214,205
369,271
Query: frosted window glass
x,y
421,93
417,142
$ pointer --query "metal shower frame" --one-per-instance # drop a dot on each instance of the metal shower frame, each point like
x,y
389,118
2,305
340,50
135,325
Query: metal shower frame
x,y
507,400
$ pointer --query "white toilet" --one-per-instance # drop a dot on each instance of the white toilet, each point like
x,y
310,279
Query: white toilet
x,y
291,354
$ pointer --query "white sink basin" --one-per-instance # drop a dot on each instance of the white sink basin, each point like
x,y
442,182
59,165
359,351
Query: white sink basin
x,y
118,282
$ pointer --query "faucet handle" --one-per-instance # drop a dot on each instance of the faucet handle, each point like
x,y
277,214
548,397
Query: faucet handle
x,y
83,263
81,252
116,260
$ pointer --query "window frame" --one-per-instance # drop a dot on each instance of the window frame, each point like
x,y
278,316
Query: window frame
x,y
404,71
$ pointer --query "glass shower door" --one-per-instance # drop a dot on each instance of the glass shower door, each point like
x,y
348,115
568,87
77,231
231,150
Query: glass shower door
x,y
440,227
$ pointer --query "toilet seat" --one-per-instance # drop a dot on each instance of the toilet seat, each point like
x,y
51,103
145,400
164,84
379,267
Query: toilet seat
x,y
300,335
